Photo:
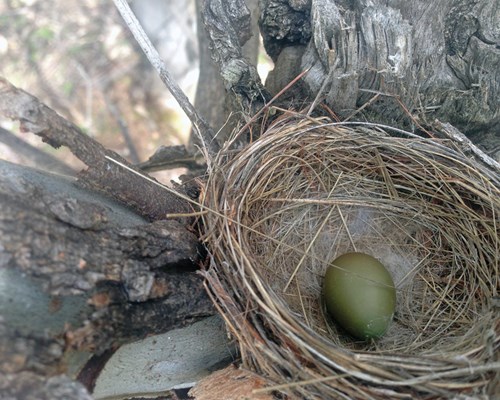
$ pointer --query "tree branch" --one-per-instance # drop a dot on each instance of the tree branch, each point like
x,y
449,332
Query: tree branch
x,y
149,200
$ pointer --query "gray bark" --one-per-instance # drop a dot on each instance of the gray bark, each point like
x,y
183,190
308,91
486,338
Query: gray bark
x,y
210,92
221,107
228,26
81,273
86,265
439,60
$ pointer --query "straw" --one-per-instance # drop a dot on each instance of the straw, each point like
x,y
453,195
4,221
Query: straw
x,y
309,190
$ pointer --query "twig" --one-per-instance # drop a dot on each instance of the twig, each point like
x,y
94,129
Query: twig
x,y
451,132
186,215
368,103
333,62
170,157
202,129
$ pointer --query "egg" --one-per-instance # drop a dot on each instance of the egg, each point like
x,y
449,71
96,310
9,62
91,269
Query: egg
x,y
359,294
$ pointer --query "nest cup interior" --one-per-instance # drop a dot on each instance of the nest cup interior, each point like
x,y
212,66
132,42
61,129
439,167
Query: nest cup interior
x,y
307,192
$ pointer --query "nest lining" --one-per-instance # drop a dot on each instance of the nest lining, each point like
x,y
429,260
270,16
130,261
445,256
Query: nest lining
x,y
308,191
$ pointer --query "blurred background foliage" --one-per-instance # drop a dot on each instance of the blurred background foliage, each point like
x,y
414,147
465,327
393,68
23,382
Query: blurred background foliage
x,y
78,57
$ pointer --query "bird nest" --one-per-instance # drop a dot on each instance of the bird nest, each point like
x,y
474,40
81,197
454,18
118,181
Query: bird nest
x,y
283,207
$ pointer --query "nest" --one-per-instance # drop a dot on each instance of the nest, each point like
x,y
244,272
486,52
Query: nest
x,y
283,207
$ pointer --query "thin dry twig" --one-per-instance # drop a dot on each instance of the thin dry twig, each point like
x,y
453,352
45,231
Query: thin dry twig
x,y
203,130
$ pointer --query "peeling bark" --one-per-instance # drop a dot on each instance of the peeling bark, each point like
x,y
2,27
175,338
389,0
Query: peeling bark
x,y
440,59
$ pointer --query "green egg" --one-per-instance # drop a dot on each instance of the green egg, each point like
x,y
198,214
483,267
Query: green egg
x,y
360,295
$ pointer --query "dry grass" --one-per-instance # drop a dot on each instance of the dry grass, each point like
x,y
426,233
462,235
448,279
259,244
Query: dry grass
x,y
307,191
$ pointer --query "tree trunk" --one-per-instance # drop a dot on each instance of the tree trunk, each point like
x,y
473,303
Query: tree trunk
x,y
87,265
382,60
401,63
211,98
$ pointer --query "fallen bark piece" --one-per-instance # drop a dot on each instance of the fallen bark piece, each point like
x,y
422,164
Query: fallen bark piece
x,y
174,360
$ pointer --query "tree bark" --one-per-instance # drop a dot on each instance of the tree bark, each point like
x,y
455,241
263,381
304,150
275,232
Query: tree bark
x,y
80,272
228,26
217,96
435,60
87,265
